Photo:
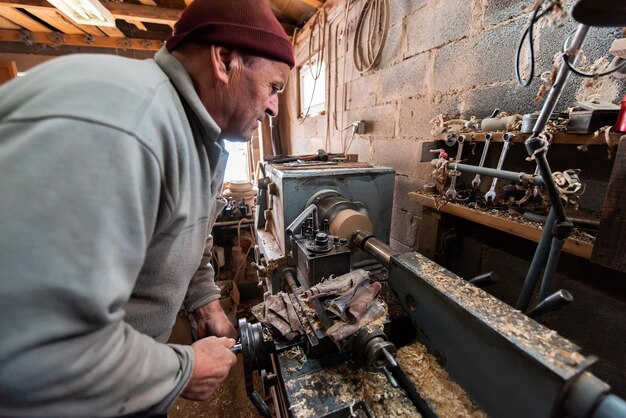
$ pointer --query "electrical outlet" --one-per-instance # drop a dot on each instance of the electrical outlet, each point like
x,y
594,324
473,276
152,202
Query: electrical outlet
x,y
358,127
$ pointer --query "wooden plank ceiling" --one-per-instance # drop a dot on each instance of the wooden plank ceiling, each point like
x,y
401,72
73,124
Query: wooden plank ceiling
x,y
141,25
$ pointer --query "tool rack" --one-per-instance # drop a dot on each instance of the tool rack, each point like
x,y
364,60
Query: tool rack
x,y
608,249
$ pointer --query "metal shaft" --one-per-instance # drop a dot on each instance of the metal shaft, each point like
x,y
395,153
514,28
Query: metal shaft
x,y
539,259
552,263
492,172
367,242
561,79
298,221
551,303
536,146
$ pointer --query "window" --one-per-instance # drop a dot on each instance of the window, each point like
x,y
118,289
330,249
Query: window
x,y
312,78
238,166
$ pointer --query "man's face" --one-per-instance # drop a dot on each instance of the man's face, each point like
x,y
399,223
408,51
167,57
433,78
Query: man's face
x,y
252,95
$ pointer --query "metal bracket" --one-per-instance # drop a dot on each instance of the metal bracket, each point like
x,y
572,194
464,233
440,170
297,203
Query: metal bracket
x,y
125,43
57,38
25,37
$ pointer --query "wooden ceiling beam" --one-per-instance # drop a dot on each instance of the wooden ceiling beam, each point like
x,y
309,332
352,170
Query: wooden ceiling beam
x,y
58,20
56,39
21,19
124,11
7,24
142,13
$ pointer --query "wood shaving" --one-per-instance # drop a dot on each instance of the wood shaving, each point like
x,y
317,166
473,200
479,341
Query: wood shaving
x,y
538,341
347,386
446,398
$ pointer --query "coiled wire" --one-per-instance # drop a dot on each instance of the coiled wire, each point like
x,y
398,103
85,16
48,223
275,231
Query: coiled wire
x,y
366,54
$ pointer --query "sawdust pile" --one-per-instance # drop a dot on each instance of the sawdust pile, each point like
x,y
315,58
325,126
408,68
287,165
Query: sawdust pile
x,y
432,382
349,386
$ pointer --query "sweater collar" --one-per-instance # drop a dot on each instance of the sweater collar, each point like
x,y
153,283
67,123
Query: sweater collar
x,y
183,83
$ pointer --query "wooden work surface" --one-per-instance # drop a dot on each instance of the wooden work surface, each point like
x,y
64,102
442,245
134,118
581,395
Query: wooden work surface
x,y
528,231
558,138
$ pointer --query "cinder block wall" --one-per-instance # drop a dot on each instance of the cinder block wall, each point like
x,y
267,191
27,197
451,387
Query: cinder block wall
x,y
457,57
441,56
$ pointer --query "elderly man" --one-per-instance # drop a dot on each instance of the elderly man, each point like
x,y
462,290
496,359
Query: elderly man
x,y
110,173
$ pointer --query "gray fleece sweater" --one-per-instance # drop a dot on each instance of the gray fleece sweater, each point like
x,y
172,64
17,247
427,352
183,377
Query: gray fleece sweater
x,y
110,171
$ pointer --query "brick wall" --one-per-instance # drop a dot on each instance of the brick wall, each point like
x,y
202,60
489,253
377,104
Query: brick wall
x,y
441,56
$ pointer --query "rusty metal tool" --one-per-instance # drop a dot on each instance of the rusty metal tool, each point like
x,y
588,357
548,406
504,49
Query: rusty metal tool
x,y
488,138
491,194
451,192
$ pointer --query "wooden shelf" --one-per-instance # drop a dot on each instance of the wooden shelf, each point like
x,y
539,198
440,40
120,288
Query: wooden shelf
x,y
530,232
558,138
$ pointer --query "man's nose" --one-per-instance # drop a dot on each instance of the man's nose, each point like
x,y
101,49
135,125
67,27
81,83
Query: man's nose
x,y
272,106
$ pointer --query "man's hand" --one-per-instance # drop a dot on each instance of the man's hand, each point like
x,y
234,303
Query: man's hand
x,y
212,320
213,361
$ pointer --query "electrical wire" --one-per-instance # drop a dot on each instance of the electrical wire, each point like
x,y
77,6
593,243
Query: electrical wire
x,y
320,22
376,12
536,16
347,148
613,67
239,232
343,68
241,263
215,258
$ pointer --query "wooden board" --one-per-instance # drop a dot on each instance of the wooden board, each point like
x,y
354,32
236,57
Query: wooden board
x,y
91,30
57,20
21,19
112,32
119,10
8,70
7,24
80,40
530,232
610,247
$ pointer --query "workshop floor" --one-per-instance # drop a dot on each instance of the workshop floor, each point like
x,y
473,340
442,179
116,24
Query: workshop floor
x,y
230,400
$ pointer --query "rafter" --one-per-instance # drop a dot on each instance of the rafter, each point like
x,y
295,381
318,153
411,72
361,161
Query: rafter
x,y
57,39
123,11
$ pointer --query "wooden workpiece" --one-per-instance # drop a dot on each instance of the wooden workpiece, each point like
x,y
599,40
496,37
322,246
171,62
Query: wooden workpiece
x,y
530,232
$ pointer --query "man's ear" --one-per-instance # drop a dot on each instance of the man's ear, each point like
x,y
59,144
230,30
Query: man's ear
x,y
221,58
227,63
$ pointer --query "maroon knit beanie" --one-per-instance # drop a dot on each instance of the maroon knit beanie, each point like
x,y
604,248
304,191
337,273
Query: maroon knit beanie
x,y
246,24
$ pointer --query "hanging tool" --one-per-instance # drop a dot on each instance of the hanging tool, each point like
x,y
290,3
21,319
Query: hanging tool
x,y
488,138
451,192
491,194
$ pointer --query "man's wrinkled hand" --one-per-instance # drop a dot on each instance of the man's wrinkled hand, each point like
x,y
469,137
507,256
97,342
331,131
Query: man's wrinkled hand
x,y
212,321
213,361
